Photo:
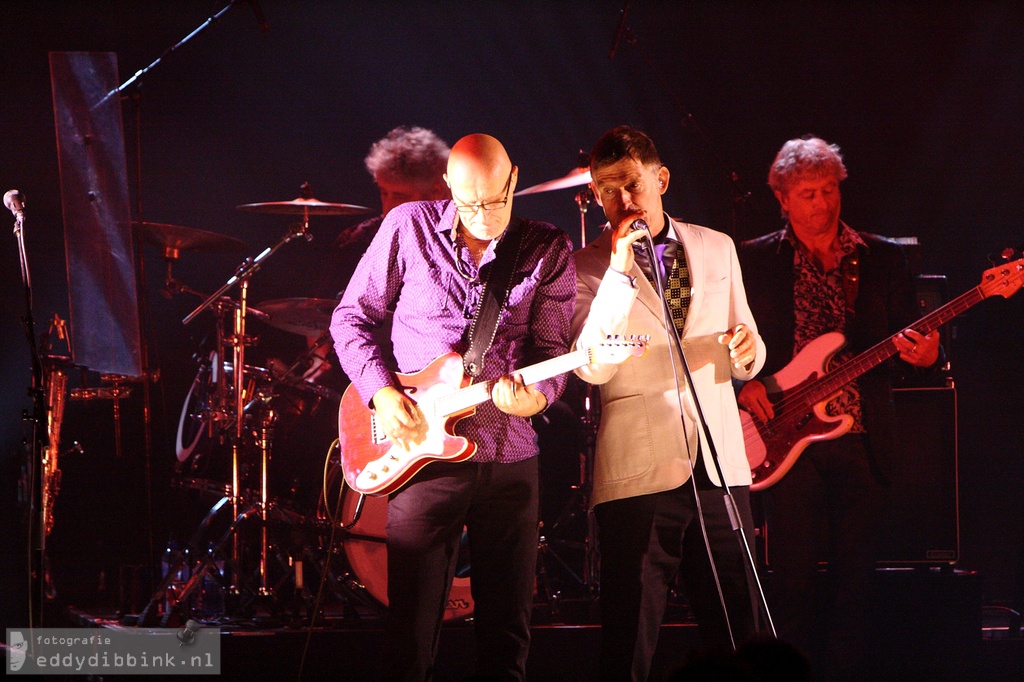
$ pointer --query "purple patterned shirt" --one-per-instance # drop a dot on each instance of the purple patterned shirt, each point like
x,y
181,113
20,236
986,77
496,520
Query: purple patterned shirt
x,y
418,267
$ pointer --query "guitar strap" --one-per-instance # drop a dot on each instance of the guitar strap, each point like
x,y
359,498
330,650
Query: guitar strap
x,y
493,299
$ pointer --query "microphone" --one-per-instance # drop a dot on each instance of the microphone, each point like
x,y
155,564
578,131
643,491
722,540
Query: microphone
x,y
15,203
620,31
640,245
260,19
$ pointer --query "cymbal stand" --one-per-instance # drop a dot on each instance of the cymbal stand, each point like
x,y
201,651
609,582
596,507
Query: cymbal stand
x,y
239,340
591,561
266,432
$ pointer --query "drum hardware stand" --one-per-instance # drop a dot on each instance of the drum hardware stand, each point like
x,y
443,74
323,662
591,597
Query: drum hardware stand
x,y
238,341
579,503
115,391
266,431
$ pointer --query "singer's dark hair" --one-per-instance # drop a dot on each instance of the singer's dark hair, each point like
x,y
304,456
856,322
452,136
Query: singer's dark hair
x,y
624,142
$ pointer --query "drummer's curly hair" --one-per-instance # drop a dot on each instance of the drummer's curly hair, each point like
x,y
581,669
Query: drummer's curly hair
x,y
624,142
408,154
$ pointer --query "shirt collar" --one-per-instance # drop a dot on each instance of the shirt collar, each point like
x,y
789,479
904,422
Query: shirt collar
x,y
849,240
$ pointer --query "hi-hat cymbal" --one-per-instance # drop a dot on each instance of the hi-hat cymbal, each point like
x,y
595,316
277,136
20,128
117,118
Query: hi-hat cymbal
x,y
303,206
175,238
306,316
575,178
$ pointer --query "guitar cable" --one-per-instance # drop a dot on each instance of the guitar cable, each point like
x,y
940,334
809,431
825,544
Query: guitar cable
x,y
333,514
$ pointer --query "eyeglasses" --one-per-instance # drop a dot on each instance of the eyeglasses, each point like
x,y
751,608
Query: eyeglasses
x,y
470,209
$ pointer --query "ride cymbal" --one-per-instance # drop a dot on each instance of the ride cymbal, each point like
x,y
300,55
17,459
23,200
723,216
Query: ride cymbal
x,y
303,206
575,178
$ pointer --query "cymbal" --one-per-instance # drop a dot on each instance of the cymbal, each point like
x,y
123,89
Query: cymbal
x,y
304,206
575,178
175,238
306,316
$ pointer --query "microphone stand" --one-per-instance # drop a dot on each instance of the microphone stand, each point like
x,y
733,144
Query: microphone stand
x,y
167,53
140,277
37,425
728,499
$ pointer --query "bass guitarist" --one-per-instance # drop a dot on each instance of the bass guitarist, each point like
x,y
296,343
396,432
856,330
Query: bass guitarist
x,y
815,276
466,276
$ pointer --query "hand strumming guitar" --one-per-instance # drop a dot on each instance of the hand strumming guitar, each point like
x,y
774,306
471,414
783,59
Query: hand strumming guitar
x,y
402,420
753,398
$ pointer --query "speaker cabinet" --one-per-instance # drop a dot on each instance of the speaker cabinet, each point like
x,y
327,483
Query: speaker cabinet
x,y
923,516
922,520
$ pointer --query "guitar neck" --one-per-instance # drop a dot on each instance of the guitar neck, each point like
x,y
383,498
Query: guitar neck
x,y
476,394
880,352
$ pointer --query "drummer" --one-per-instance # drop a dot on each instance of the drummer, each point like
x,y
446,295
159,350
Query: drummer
x,y
408,164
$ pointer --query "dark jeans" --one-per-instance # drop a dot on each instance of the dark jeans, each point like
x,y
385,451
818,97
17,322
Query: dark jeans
x,y
497,503
644,542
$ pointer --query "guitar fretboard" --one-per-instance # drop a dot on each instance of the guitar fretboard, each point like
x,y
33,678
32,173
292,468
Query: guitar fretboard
x,y
882,351
475,394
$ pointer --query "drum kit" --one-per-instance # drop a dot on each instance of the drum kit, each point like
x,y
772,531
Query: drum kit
x,y
281,517
235,415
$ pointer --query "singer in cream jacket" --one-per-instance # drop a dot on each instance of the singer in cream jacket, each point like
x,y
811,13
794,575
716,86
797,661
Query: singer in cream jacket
x,y
641,447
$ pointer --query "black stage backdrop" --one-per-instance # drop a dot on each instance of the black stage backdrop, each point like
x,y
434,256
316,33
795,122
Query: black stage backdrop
x,y
925,99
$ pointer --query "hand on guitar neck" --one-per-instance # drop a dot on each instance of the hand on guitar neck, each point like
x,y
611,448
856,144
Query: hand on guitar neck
x,y
920,350
512,396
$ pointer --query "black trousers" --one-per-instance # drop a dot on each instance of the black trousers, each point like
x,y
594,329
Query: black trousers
x,y
828,507
497,503
644,542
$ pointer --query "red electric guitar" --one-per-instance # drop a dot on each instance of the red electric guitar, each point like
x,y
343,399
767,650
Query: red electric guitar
x,y
800,390
373,466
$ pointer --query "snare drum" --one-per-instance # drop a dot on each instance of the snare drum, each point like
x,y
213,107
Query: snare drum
x,y
201,414
207,424
366,549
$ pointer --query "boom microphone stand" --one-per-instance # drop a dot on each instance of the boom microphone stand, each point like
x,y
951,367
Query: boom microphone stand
x,y
148,375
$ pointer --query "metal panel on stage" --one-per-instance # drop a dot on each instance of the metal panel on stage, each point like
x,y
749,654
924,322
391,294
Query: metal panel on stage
x,y
94,196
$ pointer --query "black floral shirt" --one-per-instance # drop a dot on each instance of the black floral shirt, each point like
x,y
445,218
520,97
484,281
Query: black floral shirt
x,y
820,307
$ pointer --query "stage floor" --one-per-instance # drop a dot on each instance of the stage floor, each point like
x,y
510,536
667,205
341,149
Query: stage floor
x,y
930,626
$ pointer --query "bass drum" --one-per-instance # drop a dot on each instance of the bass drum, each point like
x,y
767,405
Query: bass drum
x,y
366,549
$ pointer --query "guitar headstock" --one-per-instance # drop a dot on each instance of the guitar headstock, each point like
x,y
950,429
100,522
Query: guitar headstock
x,y
616,349
1004,280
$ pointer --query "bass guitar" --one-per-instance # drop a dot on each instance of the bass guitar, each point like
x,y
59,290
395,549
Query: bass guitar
x,y
800,391
374,466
